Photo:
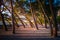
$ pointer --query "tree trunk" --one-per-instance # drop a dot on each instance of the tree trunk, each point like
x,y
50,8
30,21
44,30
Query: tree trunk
x,y
20,20
53,19
33,15
43,11
45,21
40,21
46,17
17,16
5,26
16,22
24,13
51,28
13,23
35,22
2,16
31,24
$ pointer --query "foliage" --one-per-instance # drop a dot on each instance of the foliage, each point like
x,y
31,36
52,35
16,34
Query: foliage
x,y
58,19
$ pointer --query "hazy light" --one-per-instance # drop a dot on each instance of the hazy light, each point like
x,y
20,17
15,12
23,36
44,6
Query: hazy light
x,y
25,20
3,12
2,6
32,20
21,16
7,3
6,12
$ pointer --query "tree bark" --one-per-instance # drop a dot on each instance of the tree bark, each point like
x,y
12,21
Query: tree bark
x,y
33,15
2,16
43,11
17,16
20,20
24,13
45,21
40,21
16,22
13,23
51,28
31,24
5,26
53,19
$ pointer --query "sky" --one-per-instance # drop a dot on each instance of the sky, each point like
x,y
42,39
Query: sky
x,y
31,1
55,2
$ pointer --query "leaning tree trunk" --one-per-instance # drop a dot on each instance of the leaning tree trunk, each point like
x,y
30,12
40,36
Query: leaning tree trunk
x,y
53,19
17,16
45,21
31,24
33,15
20,20
40,21
43,12
2,16
24,13
5,26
